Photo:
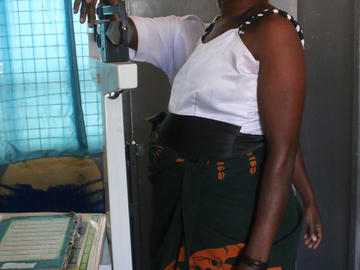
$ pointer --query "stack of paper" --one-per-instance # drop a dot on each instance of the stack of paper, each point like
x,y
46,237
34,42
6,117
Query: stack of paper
x,y
87,251
51,241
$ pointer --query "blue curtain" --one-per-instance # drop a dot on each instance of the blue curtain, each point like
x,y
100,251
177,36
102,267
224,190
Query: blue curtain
x,y
49,105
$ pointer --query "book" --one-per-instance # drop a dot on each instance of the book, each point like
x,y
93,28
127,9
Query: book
x,y
51,240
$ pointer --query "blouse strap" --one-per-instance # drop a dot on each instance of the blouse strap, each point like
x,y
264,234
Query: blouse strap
x,y
258,16
210,27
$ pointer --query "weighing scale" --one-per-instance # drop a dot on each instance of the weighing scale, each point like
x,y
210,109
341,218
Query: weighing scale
x,y
115,76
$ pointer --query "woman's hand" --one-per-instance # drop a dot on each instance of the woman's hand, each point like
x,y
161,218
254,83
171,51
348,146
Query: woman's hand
x,y
314,226
87,9
314,229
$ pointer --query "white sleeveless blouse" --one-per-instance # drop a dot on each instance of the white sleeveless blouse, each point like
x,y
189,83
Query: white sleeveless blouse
x,y
219,81
216,80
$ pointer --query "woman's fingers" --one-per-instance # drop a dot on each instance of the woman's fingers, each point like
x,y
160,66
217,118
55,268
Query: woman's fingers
x,y
319,234
91,13
316,245
314,230
310,237
306,237
76,6
313,235
83,13
87,9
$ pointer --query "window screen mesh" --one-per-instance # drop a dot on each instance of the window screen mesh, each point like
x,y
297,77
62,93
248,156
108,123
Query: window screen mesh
x,y
37,116
91,98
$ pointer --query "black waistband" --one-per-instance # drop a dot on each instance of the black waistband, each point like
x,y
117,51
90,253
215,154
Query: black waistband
x,y
195,137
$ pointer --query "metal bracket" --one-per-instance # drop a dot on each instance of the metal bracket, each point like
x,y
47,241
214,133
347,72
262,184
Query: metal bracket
x,y
111,36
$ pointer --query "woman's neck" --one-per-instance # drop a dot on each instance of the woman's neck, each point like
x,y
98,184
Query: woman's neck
x,y
232,8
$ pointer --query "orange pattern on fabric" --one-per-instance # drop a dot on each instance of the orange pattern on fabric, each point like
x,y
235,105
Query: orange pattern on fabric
x,y
252,162
175,264
214,259
182,254
156,137
157,152
211,259
172,266
221,170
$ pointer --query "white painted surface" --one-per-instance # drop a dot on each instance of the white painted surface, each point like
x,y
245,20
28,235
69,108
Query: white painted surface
x,y
18,265
114,76
105,267
117,184
111,77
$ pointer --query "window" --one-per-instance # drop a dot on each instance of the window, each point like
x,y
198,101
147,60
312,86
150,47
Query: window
x,y
48,102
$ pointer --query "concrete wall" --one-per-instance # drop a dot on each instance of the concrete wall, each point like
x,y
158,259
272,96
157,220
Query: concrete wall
x,y
354,241
290,6
327,127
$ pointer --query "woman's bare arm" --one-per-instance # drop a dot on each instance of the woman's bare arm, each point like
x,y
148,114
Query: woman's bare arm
x,y
281,94
314,231
133,44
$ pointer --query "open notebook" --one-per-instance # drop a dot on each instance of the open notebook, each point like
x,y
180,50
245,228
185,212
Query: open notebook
x,y
51,241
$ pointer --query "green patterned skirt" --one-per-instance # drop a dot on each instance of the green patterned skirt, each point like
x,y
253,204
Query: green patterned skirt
x,y
203,212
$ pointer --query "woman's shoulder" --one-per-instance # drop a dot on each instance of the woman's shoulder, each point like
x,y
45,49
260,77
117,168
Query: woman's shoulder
x,y
274,24
277,28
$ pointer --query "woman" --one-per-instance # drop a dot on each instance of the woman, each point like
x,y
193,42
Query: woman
x,y
227,154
